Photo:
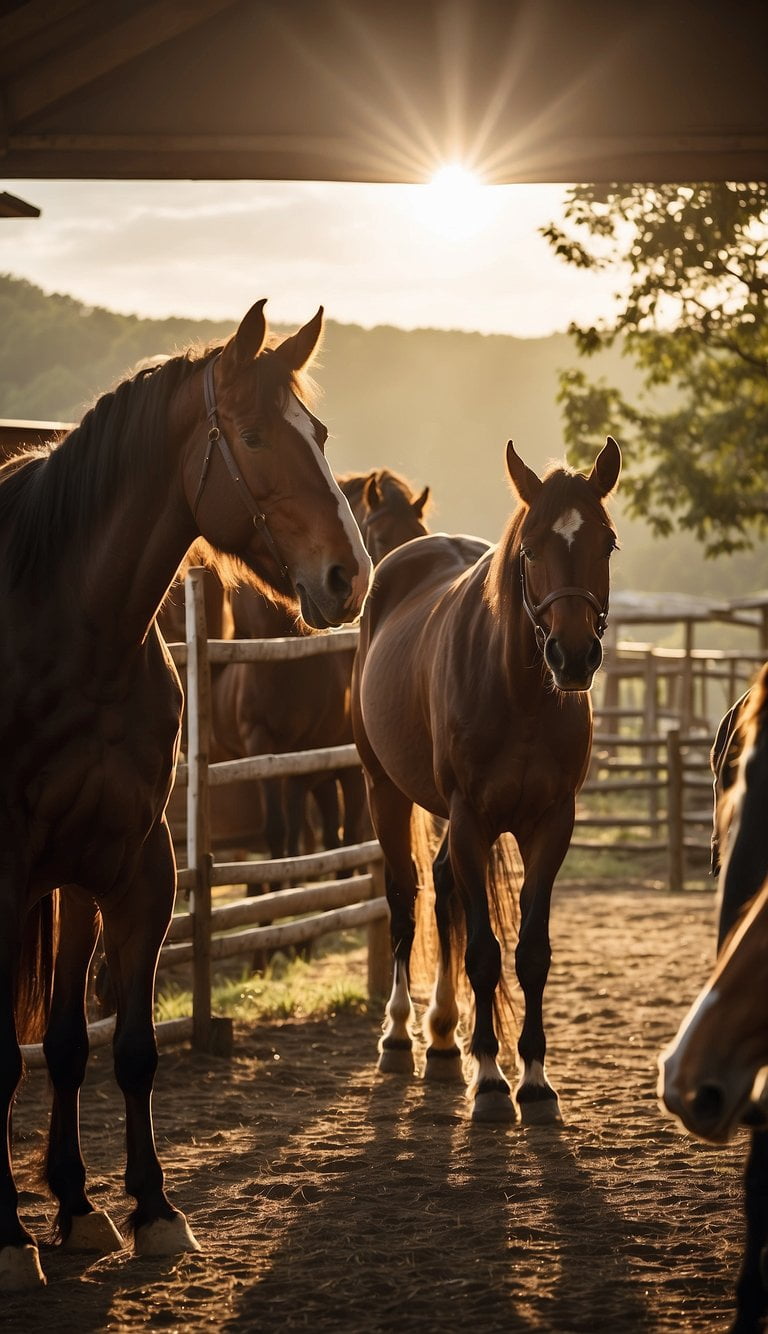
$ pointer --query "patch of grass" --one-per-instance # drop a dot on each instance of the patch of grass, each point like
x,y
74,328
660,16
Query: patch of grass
x,y
288,989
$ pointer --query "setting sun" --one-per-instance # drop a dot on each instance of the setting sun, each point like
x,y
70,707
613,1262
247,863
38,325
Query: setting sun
x,y
455,203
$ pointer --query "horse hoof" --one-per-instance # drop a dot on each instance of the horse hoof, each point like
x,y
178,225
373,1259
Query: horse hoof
x,y
20,1269
540,1112
395,1061
444,1066
166,1236
494,1108
93,1232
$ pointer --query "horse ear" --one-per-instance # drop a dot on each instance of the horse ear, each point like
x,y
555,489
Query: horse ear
x,y
371,492
297,350
606,468
524,479
418,505
251,333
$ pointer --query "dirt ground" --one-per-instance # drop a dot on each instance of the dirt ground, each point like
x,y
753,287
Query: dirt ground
x,y
327,1197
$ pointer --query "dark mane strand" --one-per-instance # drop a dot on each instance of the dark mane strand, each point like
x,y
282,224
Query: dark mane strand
x,y
56,493
53,495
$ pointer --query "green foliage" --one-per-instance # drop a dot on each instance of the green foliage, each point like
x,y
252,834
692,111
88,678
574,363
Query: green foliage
x,y
692,318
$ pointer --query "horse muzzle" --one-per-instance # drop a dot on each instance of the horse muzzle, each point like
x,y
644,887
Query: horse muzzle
x,y
572,671
335,600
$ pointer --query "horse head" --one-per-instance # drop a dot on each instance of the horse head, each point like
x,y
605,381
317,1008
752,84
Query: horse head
x,y
390,514
261,488
564,541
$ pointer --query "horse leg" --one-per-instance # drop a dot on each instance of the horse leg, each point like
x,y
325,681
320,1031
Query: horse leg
x,y
19,1257
469,848
78,1224
542,853
391,815
134,929
326,798
444,1061
752,1284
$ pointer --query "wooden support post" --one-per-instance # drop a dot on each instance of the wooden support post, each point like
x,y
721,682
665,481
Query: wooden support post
x,y
379,943
675,827
199,855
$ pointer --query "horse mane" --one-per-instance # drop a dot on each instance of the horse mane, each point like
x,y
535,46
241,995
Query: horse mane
x,y
58,492
560,487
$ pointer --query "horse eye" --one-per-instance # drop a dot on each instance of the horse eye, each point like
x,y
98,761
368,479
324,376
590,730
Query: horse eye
x,y
528,553
253,440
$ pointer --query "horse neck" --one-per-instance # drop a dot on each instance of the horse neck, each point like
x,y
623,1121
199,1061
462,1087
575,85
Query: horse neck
x,y
146,533
519,652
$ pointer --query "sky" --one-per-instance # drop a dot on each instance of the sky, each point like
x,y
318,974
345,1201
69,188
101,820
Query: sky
x,y
451,255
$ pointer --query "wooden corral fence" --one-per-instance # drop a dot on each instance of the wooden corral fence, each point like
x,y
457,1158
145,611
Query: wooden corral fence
x,y
206,932
648,791
649,788
202,932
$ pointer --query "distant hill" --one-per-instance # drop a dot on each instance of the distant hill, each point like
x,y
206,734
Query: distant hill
x,y
438,406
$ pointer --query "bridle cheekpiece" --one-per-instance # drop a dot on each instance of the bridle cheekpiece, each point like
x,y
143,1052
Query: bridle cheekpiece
x,y
216,439
535,609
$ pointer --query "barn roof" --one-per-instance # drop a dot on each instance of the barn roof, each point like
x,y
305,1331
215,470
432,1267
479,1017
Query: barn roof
x,y
384,90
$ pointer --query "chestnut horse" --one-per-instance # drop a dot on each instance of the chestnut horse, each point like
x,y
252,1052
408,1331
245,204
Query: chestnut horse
x,y
218,445
303,703
710,1076
469,699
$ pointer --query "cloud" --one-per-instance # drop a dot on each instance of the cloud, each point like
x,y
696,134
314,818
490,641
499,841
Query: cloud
x,y
366,252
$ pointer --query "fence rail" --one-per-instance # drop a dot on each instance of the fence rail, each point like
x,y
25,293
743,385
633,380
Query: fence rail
x,y
645,757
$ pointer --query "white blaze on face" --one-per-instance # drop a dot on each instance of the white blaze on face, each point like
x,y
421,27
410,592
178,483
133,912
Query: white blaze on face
x,y
296,416
568,525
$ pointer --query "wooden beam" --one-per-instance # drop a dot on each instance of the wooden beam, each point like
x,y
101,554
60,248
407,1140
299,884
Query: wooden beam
x,y
34,18
67,71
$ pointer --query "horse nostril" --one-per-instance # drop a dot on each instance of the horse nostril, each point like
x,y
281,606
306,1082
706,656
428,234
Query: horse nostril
x,y
338,583
553,654
594,655
708,1104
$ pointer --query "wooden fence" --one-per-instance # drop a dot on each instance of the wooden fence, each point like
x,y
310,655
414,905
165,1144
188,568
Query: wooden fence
x,y
205,932
639,754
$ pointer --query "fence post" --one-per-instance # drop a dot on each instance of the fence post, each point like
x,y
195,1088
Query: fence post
x,y
379,945
198,809
675,827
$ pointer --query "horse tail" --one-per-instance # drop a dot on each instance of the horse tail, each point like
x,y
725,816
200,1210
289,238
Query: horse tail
x,y
503,885
426,835
505,878
34,976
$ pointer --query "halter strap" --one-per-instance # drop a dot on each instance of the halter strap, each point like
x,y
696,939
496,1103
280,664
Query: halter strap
x,y
217,439
535,609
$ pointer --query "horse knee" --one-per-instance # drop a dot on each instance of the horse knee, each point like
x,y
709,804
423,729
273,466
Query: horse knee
x,y
135,1062
66,1054
532,963
483,963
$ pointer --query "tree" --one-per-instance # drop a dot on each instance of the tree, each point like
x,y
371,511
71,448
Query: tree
x,y
693,319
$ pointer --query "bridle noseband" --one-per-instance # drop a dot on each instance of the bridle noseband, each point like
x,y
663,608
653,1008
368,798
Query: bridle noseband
x,y
535,609
217,438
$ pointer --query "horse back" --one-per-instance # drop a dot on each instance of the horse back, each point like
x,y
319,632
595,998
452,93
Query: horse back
x,y
414,575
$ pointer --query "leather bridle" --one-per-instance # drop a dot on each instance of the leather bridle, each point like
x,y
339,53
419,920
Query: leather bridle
x,y
535,609
216,439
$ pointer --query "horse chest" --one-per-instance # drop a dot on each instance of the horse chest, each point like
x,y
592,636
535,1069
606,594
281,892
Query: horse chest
x,y
92,775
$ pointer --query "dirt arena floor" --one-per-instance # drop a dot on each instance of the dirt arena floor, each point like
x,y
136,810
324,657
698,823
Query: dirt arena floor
x,y
327,1197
